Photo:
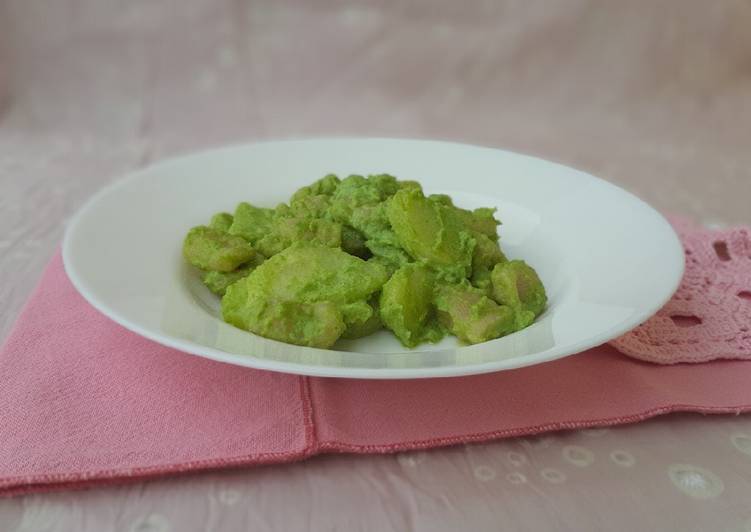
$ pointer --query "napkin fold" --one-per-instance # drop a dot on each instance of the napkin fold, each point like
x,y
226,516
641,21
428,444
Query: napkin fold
x,y
86,402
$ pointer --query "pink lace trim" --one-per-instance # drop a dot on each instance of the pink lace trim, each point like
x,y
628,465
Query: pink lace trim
x,y
709,317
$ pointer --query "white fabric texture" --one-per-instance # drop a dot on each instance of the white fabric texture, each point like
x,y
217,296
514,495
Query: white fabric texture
x,y
654,96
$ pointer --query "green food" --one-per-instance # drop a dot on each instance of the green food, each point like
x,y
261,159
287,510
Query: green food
x,y
305,295
517,285
347,257
327,185
211,249
472,316
311,206
429,233
353,242
218,282
251,223
407,305
221,221
285,231
486,255
360,328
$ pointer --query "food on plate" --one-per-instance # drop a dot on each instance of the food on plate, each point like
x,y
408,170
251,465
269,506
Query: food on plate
x,y
345,258
308,294
406,305
471,315
516,285
213,249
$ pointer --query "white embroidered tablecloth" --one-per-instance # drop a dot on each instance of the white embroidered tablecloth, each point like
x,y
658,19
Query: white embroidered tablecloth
x,y
655,96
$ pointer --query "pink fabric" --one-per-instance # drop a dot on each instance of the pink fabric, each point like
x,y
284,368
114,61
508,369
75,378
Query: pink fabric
x,y
710,315
85,399
86,402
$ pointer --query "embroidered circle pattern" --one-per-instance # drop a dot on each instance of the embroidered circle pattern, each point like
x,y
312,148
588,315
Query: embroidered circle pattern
x,y
484,473
742,442
229,497
553,476
695,481
516,459
709,317
622,458
578,456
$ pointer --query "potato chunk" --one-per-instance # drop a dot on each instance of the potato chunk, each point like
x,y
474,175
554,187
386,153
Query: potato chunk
x,y
327,185
480,220
407,304
386,184
221,221
486,255
304,274
361,319
517,285
314,206
318,324
285,231
211,249
218,282
469,314
429,234
251,223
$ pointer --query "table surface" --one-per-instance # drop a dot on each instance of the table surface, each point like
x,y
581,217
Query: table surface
x,y
654,96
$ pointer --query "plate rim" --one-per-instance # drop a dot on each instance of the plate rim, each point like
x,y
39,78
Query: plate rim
x,y
250,361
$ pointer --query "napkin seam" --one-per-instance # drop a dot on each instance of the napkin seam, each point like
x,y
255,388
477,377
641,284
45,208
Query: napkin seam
x,y
311,443
339,446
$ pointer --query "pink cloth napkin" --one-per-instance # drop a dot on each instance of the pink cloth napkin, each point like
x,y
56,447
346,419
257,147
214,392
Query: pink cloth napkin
x,y
85,402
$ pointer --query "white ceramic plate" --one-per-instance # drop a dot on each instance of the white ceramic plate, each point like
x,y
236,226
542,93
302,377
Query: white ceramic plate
x,y
607,259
